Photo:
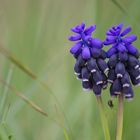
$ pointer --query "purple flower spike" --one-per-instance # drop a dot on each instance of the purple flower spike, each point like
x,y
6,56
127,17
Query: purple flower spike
x,y
123,61
90,67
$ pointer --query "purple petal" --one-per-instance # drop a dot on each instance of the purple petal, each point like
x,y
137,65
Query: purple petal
x,y
76,47
129,39
106,42
121,48
132,49
75,37
120,26
109,33
114,28
126,31
82,25
86,53
96,43
76,30
111,38
112,31
111,51
90,29
118,32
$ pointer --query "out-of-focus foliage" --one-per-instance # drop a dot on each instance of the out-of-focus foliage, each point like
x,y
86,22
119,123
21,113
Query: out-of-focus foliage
x,y
36,32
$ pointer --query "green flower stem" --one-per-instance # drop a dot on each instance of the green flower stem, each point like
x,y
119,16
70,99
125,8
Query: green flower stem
x,y
120,118
103,118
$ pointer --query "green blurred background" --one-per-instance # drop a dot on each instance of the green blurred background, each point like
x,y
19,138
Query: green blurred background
x,y
36,32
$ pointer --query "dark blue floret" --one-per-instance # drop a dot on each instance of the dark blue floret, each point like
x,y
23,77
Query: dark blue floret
x,y
123,61
128,92
125,80
90,66
113,61
123,56
86,85
117,87
95,52
77,69
97,89
111,75
102,65
80,61
85,74
133,61
134,73
120,70
97,78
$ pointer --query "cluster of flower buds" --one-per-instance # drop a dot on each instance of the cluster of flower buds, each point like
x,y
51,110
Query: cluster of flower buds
x,y
90,66
122,69
123,63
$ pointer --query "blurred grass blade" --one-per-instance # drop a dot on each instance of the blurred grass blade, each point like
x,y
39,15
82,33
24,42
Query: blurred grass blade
x,y
66,135
119,6
31,74
29,102
3,104
17,63
32,104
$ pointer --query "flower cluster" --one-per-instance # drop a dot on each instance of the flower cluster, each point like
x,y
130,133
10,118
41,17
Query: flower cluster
x,y
123,63
90,64
123,66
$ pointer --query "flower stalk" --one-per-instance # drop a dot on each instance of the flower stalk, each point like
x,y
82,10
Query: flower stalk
x,y
120,118
103,118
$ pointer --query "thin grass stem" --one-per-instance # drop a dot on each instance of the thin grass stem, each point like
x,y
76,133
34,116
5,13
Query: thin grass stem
x,y
3,104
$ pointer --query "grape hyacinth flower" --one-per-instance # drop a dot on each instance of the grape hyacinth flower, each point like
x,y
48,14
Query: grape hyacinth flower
x,y
90,64
124,64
